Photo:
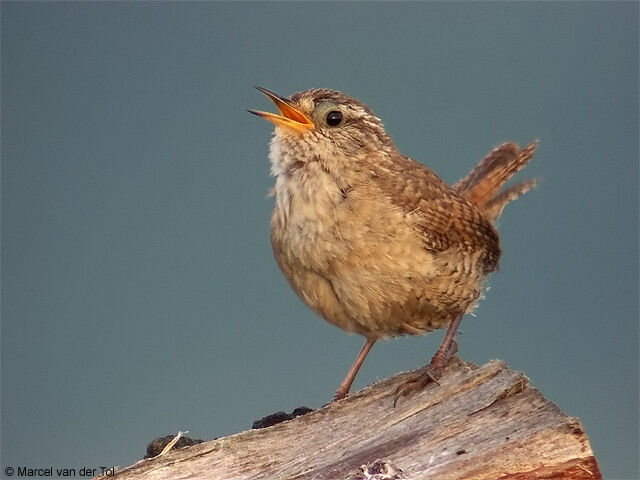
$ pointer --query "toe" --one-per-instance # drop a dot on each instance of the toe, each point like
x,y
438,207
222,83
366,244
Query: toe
x,y
417,383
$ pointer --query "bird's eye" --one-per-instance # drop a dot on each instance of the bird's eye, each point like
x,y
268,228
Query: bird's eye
x,y
334,117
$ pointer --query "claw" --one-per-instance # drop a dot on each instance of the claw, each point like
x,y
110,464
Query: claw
x,y
433,371
429,374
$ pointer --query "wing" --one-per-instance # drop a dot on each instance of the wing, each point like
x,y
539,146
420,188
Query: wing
x,y
444,219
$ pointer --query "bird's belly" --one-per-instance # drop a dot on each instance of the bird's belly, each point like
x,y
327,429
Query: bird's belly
x,y
368,271
392,293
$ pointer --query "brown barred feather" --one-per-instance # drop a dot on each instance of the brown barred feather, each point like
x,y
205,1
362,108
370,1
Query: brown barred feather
x,y
481,185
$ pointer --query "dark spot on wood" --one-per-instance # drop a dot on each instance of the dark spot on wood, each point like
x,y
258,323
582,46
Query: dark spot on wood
x,y
461,451
280,417
271,420
301,411
156,446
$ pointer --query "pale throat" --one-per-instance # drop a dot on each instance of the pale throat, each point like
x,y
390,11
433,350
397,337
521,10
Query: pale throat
x,y
286,153
304,191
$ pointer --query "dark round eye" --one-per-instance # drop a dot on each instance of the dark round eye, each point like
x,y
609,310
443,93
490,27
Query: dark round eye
x,y
334,117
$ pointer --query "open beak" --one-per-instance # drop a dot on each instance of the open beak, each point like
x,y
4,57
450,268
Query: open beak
x,y
290,117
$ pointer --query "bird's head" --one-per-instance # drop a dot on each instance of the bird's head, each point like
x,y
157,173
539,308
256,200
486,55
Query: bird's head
x,y
325,126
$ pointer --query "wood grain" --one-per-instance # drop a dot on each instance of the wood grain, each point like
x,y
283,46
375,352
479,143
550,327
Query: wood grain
x,y
481,423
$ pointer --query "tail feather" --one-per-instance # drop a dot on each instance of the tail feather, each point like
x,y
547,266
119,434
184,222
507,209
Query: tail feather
x,y
493,208
498,157
481,185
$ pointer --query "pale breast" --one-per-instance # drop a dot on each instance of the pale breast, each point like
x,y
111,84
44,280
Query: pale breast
x,y
355,258
306,220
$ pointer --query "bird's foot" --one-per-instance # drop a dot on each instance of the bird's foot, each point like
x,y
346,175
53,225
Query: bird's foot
x,y
340,394
427,374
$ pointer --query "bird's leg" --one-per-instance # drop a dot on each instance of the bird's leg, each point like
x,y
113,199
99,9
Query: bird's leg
x,y
345,386
433,371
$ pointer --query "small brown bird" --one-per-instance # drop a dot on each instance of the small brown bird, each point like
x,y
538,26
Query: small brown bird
x,y
375,242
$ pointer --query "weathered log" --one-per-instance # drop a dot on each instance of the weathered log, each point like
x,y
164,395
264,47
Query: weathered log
x,y
483,422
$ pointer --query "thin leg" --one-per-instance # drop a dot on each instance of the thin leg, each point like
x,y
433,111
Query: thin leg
x,y
449,343
345,386
433,371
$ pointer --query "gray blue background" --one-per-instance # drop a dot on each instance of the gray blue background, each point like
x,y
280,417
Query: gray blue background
x,y
139,293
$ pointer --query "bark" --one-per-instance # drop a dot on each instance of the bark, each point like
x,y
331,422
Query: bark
x,y
480,423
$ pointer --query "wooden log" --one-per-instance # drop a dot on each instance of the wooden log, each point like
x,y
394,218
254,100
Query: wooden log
x,y
480,423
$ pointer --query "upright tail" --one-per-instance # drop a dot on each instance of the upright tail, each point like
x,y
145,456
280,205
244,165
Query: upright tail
x,y
481,185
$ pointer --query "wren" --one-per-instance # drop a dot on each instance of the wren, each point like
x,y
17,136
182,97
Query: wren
x,y
373,241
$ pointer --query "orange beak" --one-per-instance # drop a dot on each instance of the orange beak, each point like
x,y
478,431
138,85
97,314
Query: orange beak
x,y
290,117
